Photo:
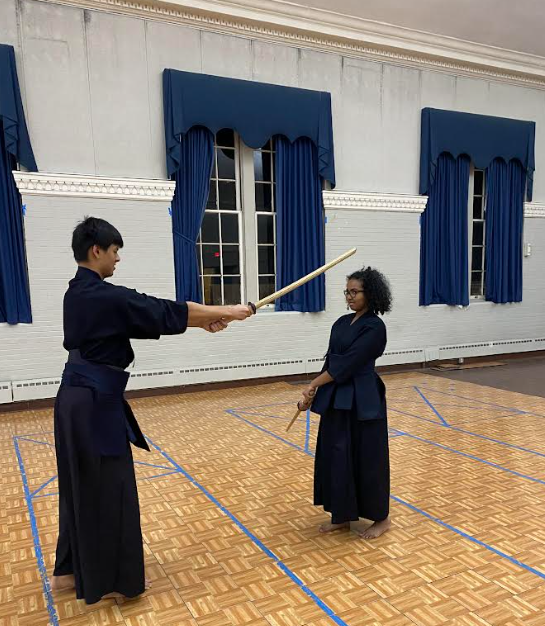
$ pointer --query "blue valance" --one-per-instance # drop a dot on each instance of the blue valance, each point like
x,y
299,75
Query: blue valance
x,y
256,111
481,137
16,139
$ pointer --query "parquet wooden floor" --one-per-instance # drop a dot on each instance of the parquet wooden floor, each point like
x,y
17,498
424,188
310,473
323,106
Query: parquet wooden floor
x,y
231,533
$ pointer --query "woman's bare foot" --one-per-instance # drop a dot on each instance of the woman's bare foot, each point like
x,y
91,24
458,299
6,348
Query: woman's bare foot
x,y
60,583
147,584
328,527
376,529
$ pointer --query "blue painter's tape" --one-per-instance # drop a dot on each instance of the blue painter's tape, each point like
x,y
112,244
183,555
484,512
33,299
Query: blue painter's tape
x,y
443,420
326,609
53,617
152,465
33,494
307,432
42,443
161,475
416,509
475,458
511,559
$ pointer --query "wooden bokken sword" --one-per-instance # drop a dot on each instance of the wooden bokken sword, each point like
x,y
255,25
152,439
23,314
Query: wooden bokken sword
x,y
295,285
282,292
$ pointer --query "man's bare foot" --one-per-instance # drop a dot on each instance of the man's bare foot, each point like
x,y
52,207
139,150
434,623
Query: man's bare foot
x,y
376,529
328,527
60,583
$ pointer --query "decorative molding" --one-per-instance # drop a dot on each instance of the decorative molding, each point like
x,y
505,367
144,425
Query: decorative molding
x,y
77,186
534,209
43,184
329,31
346,200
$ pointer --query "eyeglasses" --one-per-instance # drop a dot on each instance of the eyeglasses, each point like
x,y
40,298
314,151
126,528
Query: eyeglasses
x,y
352,292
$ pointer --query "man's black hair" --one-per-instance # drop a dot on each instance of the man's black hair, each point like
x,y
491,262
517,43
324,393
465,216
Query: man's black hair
x,y
94,231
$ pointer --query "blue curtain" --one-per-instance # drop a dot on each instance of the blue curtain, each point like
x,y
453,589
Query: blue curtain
x,y
300,224
443,240
482,137
505,188
14,288
257,111
192,188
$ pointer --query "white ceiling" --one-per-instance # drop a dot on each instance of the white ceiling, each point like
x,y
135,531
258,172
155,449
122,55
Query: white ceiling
x,y
511,24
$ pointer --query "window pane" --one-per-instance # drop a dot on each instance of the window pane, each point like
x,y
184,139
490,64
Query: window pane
x,y
231,261
210,231
476,278
229,228
266,286
267,146
199,258
478,232
211,259
478,179
263,197
211,203
226,138
477,259
265,229
212,290
262,166
226,163
266,259
258,165
477,208
228,196
231,289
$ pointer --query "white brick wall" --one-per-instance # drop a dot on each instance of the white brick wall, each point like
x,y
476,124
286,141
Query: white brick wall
x,y
67,83
389,241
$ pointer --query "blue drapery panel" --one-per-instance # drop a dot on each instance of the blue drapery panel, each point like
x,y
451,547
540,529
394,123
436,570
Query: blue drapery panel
x,y
256,111
14,289
299,225
481,137
443,238
16,139
505,184
190,196
14,147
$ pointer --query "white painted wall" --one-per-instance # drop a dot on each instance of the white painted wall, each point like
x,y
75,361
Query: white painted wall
x,y
91,84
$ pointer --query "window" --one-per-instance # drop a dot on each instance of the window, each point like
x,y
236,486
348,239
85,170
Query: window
x,y
237,242
476,232
219,243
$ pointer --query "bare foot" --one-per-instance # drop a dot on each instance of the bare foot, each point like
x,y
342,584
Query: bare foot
x,y
147,584
328,527
60,583
114,594
376,529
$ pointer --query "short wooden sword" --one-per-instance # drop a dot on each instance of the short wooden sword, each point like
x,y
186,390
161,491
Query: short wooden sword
x,y
282,292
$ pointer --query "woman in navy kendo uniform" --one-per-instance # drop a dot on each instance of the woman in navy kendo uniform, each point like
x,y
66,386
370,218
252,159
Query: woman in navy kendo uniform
x,y
352,469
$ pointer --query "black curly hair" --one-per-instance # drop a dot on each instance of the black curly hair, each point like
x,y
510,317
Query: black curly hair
x,y
376,288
